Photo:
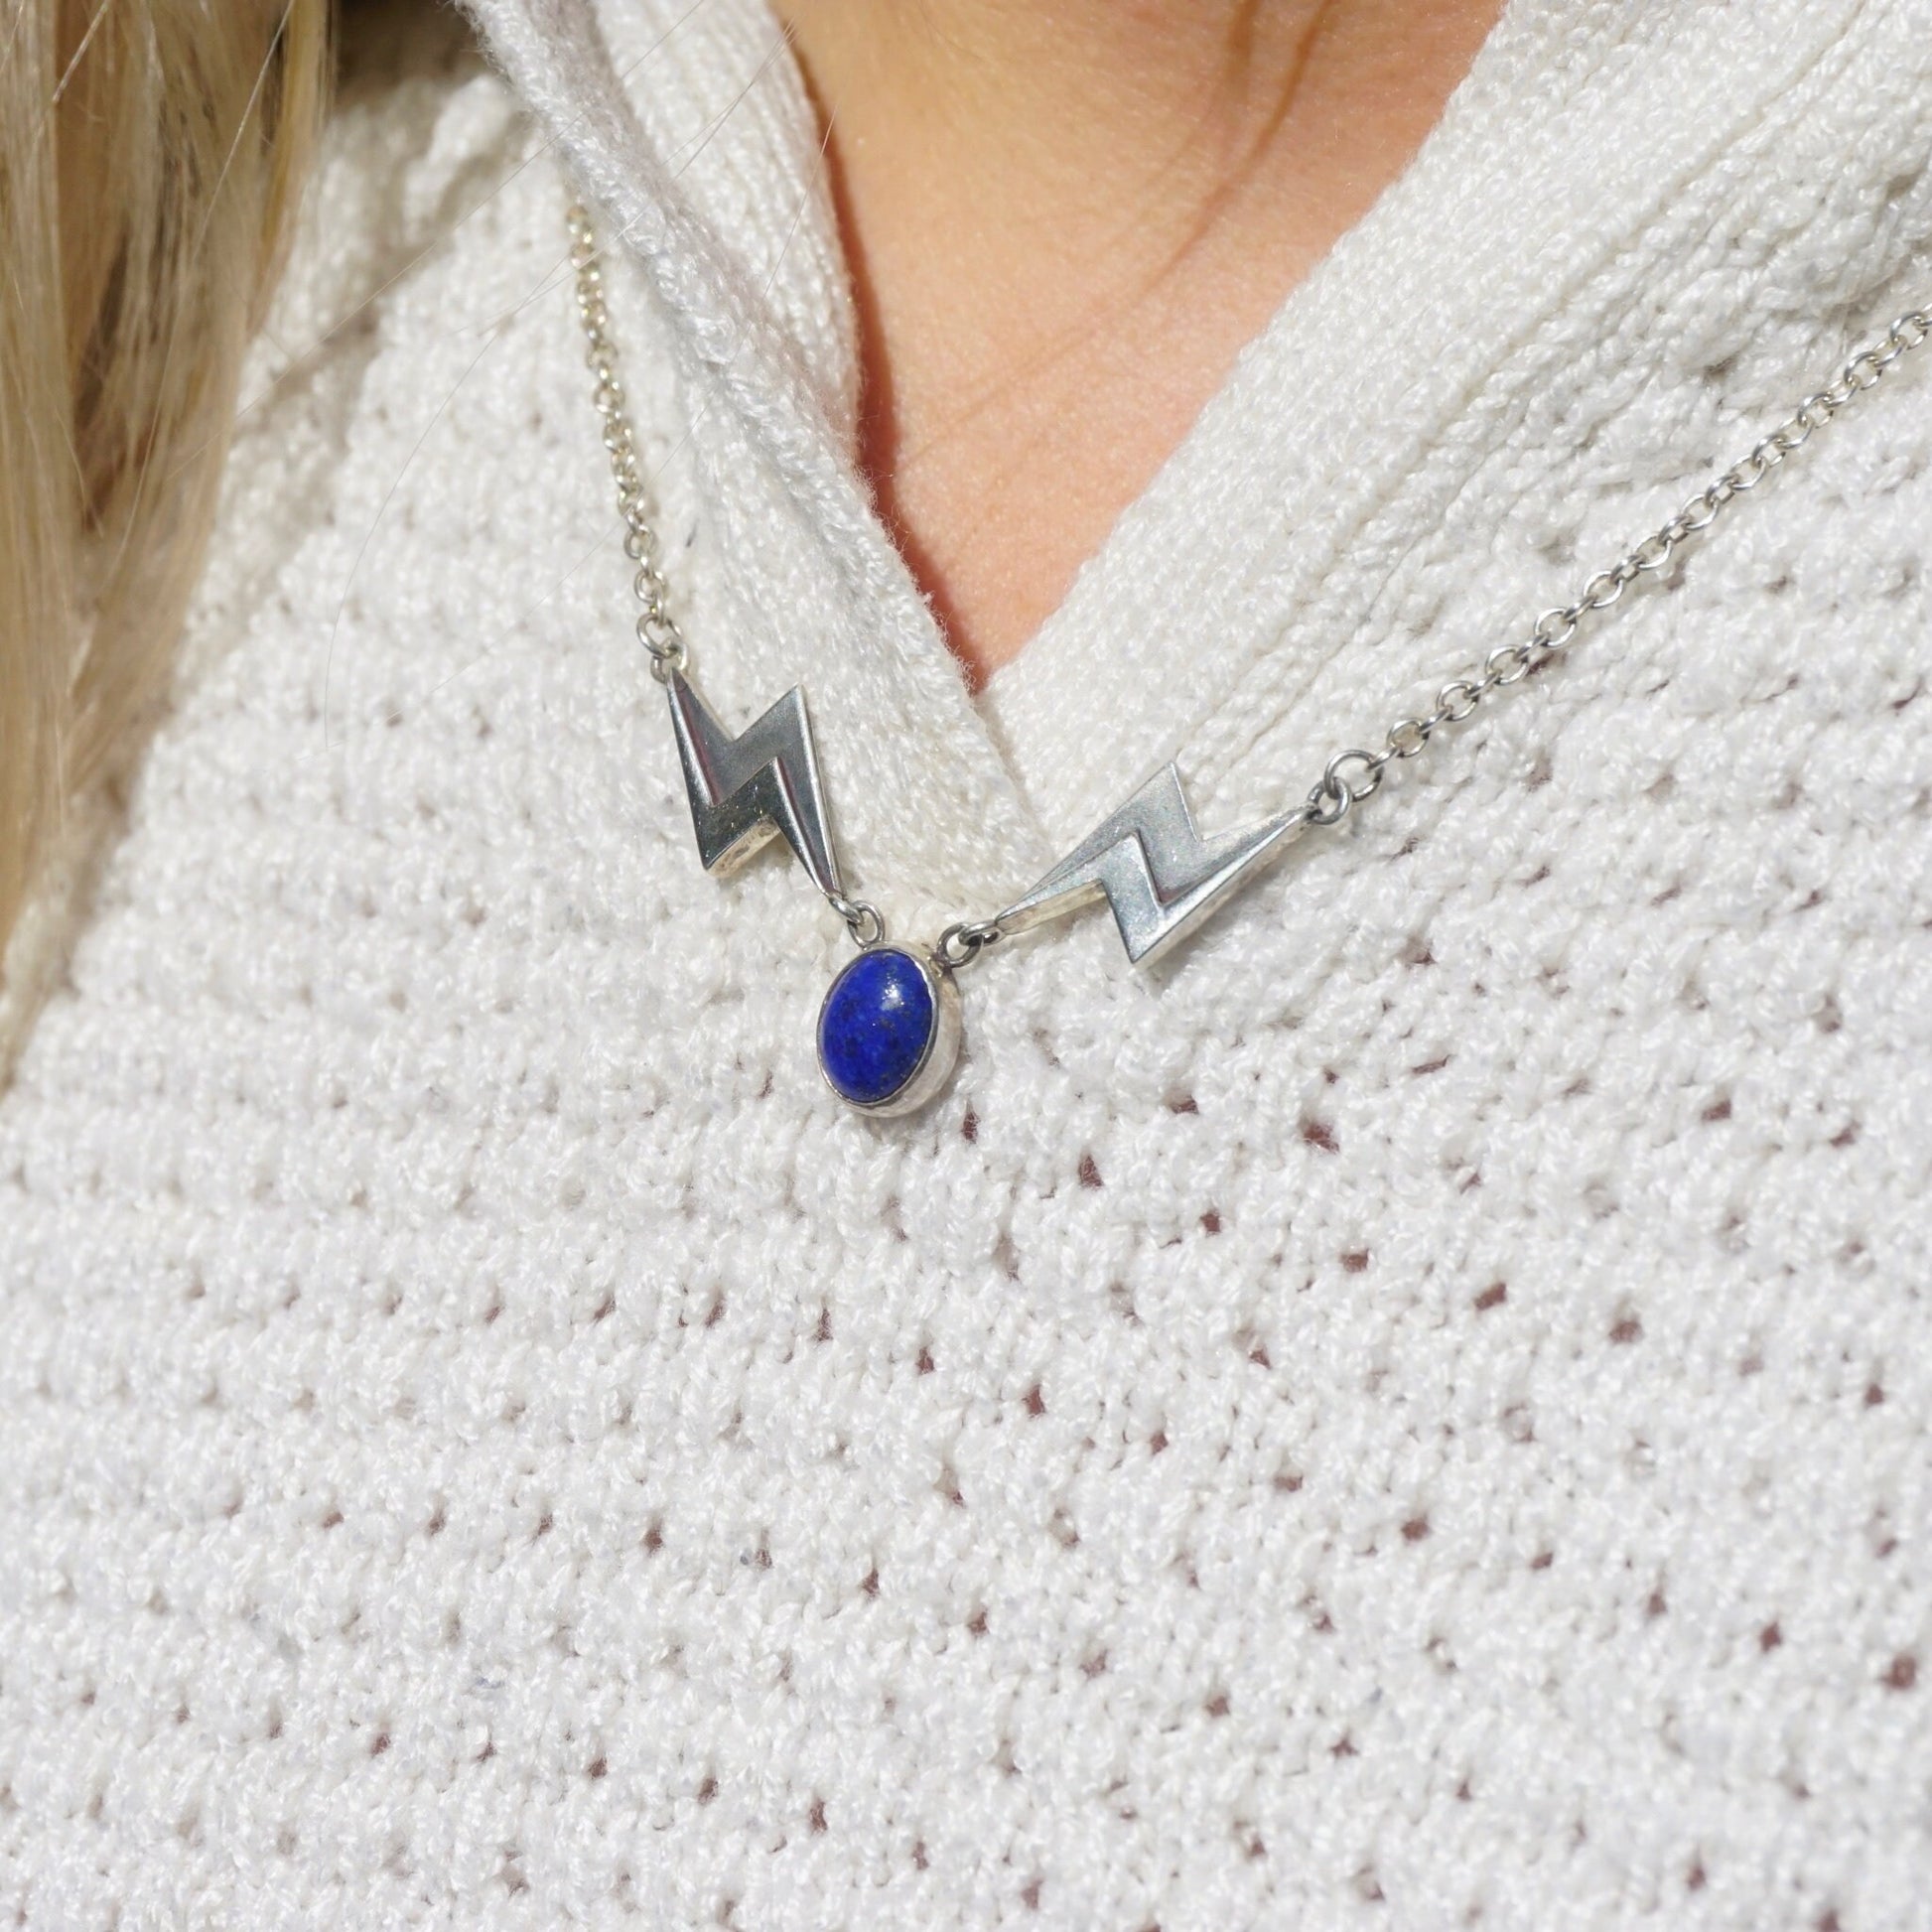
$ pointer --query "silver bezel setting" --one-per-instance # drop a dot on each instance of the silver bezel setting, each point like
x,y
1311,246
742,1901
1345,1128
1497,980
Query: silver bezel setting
x,y
935,1065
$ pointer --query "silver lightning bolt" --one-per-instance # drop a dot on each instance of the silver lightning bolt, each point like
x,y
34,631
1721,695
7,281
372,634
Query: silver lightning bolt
x,y
759,784
1158,872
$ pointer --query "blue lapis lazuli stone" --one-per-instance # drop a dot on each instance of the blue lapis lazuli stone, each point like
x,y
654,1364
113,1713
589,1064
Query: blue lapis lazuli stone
x,y
874,1025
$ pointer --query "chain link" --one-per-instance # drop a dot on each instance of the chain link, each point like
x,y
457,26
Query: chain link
x,y
1335,795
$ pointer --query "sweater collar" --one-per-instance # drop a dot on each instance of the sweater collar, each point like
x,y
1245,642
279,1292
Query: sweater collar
x,y
1231,617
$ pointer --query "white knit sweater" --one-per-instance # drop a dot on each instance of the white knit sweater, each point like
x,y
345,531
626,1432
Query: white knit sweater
x,y
1418,1415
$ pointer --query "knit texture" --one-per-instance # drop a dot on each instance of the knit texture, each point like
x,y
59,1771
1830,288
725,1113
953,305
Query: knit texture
x,y
1416,1415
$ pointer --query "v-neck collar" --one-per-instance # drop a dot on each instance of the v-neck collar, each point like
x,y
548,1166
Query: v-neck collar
x,y
1211,610
1204,628
696,143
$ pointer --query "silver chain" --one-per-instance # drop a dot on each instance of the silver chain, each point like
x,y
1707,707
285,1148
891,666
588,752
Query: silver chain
x,y
1351,776
1332,796
657,629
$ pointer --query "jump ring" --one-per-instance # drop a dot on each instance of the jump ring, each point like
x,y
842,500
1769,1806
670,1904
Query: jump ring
x,y
1328,802
963,941
865,923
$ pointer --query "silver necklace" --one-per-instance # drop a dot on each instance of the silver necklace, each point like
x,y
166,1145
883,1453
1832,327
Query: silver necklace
x,y
889,1029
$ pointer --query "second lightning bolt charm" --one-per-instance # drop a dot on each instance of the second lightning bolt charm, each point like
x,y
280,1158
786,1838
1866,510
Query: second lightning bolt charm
x,y
1153,867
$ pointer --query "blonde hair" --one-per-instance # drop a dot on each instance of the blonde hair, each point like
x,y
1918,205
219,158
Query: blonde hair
x,y
150,154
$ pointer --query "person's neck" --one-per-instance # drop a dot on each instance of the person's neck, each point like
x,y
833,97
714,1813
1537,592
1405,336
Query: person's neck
x,y
1063,223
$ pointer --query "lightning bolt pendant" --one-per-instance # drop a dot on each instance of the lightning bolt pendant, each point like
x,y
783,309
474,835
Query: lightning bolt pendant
x,y
1153,867
761,784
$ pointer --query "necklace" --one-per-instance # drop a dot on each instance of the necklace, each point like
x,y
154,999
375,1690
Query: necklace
x,y
890,1025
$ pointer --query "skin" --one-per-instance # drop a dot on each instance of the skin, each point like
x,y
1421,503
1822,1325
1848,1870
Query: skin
x,y
1066,217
